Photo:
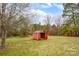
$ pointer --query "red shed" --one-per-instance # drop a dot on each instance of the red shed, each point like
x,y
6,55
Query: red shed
x,y
37,35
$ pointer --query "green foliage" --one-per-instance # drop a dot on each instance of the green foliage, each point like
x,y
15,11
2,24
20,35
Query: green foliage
x,y
71,11
38,27
22,28
75,27
64,29
71,24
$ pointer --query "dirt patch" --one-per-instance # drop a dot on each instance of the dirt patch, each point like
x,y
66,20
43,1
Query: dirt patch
x,y
14,46
28,41
71,49
46,46
66,46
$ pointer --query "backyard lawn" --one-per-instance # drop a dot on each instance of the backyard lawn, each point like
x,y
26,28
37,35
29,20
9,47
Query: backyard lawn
x,y
54,46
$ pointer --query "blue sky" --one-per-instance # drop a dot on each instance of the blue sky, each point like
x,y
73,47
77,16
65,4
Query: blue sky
x,y
46,8
49,8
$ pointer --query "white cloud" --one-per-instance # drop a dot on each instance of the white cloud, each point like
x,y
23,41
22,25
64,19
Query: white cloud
x,y
59,6
40,15
46,5
49,4
38,12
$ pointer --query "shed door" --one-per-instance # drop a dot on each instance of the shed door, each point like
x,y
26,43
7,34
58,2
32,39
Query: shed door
x,y
42,35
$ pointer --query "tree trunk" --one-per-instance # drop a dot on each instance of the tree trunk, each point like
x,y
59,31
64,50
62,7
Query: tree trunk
x,y
4,34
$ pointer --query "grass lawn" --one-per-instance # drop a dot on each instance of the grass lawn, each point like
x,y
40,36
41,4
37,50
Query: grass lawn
x,y
54,46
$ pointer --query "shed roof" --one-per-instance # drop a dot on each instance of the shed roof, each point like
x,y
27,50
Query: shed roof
x,y
38,31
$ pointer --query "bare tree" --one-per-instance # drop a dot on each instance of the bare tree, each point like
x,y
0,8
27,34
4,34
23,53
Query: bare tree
x,y
48,21
58,20
9,14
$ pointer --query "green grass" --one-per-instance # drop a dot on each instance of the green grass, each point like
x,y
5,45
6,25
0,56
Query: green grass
x,y
54,46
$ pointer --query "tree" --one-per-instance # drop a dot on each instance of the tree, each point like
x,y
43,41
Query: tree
x,y
71,12
58,20
9,14
3,23
37,27
54,30
48,21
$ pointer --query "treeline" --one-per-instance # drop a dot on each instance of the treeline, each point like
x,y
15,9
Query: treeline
x,y
70,27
